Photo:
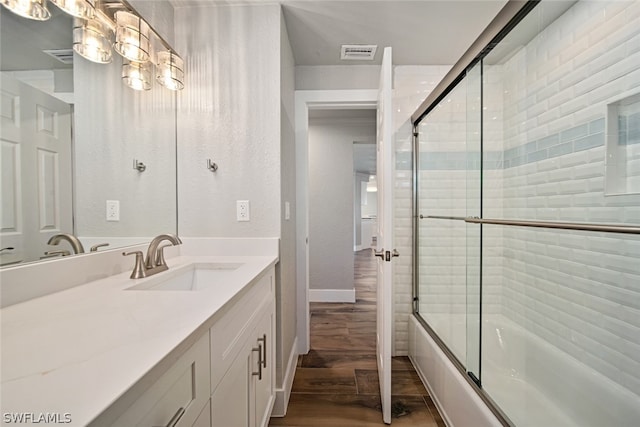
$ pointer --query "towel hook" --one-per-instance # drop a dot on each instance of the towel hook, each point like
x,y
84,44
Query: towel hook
x,y
141,167
211,165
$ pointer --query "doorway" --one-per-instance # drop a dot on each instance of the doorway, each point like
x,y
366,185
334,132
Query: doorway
x,y
304,102
336,172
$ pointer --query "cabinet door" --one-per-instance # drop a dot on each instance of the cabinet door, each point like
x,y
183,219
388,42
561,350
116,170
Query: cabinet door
x,y
230,400
263,388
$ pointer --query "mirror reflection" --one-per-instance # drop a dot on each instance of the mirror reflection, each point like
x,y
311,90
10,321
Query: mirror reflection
x,y
87,163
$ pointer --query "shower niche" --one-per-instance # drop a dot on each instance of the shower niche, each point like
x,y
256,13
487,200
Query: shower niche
x,y
623,146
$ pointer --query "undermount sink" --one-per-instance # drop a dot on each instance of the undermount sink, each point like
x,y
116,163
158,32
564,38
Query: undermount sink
x,y
195,278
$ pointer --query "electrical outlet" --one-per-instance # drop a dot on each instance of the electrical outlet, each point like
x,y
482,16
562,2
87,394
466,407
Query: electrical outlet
x,y
113,210
242,210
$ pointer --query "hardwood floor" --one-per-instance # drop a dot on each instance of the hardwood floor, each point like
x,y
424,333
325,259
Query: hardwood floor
x,y
336,384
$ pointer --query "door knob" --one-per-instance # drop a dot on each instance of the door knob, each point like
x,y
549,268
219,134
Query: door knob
x,y
395,253
380,254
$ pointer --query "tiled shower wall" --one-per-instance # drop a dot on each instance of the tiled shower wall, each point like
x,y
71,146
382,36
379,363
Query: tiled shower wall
x,y
411,85
577,290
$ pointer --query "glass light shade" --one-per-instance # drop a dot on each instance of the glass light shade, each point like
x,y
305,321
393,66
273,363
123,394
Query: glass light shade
x,y
85,9
92,40
132,37
170,70
137,75
31,9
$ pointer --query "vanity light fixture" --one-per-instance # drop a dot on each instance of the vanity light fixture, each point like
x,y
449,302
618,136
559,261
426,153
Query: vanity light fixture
x,y
101,26
132,37
31,9
92,40
137,75
170,70
85,9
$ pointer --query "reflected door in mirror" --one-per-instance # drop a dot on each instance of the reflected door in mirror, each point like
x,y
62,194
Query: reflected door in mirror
x,y
36,170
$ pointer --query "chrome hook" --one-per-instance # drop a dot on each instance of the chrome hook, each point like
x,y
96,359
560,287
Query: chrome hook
x,y
141,167
211,165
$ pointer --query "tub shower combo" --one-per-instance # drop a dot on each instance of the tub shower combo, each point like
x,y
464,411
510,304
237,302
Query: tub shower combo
x,y
527,221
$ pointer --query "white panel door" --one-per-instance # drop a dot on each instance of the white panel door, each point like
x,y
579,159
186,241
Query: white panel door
x,y
385,232
43,169
11,225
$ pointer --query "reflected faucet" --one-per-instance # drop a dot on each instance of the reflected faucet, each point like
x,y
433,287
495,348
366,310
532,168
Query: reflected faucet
x,y
73,241
154,263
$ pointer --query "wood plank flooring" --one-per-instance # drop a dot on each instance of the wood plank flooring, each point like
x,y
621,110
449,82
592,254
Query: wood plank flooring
x,y
336,384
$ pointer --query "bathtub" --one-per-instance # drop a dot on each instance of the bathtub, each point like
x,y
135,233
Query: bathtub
x,y
534,383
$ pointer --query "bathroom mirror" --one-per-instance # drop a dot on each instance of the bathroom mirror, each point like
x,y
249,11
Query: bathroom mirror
x,y
81,153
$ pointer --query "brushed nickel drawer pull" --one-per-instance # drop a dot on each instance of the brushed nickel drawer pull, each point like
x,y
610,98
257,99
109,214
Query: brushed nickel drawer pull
x,y
264,349
259,373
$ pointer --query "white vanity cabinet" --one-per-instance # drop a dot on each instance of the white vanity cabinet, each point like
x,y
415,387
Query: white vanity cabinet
x,y
177,398
225,379
243,359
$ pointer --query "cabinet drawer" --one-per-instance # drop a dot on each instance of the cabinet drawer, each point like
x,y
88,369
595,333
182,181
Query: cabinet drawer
x,y
229,334
183,388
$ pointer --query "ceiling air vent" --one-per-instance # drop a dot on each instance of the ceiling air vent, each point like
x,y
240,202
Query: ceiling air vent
x,y
358,52
63,55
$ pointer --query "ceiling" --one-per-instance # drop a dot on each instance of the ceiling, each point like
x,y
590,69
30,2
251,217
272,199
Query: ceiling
x,y
421,32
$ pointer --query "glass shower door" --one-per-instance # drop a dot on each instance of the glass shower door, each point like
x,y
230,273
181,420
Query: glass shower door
x,y
448,174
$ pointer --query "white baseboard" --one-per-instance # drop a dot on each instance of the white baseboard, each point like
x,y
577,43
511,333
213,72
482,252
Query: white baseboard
x,y
332,295
283,394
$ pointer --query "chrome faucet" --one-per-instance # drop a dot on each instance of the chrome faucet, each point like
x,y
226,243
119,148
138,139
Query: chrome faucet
x,y
73,241
154,263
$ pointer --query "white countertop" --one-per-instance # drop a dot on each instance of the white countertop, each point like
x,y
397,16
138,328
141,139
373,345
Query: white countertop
x,y
77,351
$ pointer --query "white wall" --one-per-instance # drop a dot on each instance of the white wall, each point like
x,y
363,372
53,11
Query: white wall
x,y
331,200
286,295
333,77
114,125
358,180
229,111
237,109
371,208
160,15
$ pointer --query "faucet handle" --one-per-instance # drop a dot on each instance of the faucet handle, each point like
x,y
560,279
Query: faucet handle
x,y
57,253
94,248
139,270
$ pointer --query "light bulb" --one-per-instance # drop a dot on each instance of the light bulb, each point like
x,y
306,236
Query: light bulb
x,y
30,9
